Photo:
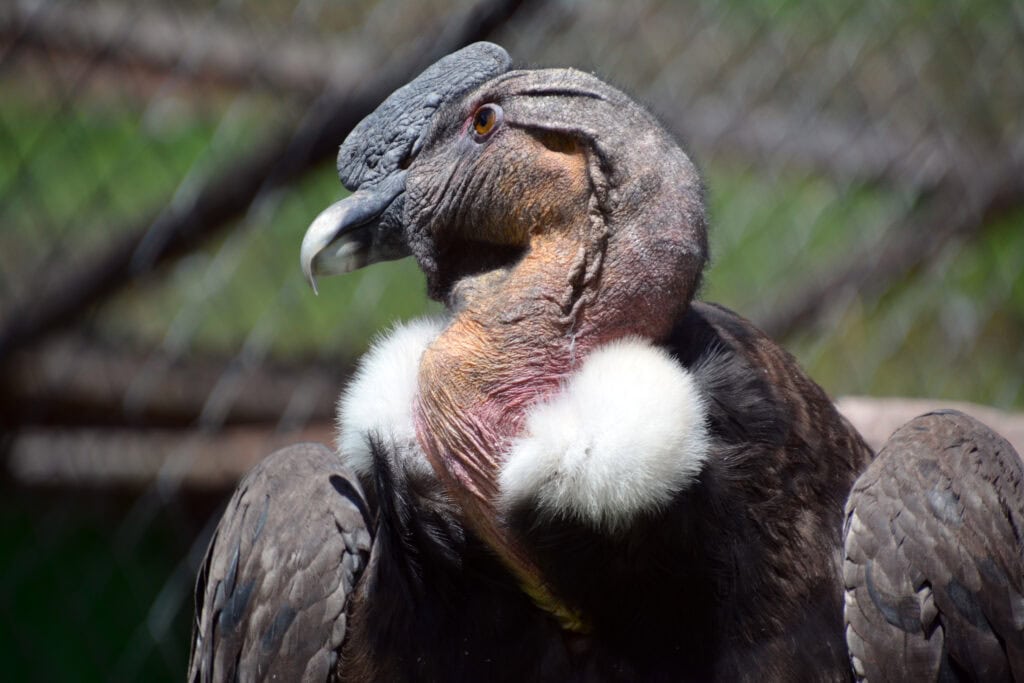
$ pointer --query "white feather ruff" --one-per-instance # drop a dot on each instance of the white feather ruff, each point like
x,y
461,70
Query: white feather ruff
x,y
378,400
623,436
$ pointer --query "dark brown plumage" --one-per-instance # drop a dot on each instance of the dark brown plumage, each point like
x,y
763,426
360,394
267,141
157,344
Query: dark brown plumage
x,y
526,524
934,568
272,594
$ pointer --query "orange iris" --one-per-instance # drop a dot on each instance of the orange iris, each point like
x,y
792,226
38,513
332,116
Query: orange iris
x,y
484,120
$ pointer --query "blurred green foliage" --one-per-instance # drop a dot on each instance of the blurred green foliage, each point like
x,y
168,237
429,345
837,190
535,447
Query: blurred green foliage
x,y
953,331
82,581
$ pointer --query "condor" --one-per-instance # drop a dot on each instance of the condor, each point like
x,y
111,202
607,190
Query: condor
x,y
580,472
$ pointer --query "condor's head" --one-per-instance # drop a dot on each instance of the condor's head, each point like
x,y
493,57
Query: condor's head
x,y
473,168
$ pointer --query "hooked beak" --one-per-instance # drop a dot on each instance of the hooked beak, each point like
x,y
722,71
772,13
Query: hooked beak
x,y
351,234
368,226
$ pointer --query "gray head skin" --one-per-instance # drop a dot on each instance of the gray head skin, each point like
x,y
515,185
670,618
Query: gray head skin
x,y
367,226
464,203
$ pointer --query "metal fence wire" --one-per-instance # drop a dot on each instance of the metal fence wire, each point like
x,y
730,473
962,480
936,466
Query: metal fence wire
x,y
159,163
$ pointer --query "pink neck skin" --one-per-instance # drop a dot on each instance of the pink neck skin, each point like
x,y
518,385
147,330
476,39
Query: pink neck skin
x,y
512,344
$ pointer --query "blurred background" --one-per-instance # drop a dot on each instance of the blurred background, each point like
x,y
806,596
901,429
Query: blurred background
x,y
160,162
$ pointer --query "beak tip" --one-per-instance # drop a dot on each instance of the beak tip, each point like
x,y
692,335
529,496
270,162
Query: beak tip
x,y
307,270
312,244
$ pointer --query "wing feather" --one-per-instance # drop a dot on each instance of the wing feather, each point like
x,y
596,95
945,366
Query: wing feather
x,y
934,566
273,589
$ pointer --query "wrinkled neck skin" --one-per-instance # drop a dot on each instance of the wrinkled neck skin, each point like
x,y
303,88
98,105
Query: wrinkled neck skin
x,y
517,333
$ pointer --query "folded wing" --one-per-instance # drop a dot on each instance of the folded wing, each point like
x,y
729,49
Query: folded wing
x,y
934,567
272,593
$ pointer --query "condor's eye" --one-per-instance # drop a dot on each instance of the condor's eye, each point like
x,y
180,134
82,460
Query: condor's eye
x,y
486,119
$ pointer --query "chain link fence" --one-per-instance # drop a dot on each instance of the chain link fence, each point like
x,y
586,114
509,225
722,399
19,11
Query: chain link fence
x,y
159,163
